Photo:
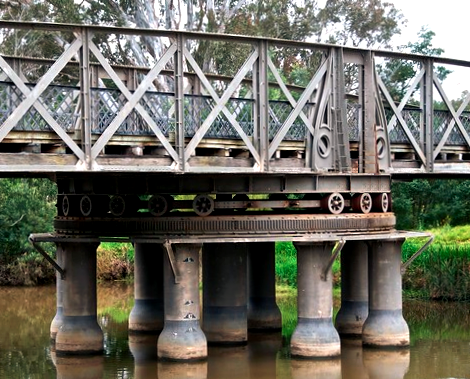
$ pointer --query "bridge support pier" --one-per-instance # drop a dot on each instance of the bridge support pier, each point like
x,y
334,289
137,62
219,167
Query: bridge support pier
x,y
79,332
182,338
147,314
354,289
385,325
263,313
224,293
315,335
59,316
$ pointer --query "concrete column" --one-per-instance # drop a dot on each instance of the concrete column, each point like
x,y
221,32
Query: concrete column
x,y
385,326
147,314
80,332
182,337
225,293
354,289
263,312
58,318
315,335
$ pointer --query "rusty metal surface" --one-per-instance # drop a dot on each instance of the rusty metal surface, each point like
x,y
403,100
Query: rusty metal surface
x,y
213,226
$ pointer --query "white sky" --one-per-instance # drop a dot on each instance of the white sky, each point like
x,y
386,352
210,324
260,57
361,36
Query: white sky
x,y
450,20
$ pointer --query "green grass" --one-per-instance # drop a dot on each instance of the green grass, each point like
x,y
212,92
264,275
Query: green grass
x,y
443,271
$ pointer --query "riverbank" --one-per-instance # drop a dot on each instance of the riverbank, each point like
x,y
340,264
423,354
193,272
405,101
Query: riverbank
x,y
115,261
442,272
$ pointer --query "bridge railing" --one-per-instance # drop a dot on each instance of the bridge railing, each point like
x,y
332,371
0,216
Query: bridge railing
x,y
99,90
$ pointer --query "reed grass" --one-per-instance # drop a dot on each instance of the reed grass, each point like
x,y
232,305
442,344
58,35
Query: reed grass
x,y
442,272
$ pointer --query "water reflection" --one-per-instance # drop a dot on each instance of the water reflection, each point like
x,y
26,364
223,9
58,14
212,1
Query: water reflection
x,y
352,360
440,346
79,367
144,351
385,364
316,369
179,370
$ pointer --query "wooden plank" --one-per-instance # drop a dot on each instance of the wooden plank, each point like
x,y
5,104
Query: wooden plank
x,y
146,161
220,162
32,159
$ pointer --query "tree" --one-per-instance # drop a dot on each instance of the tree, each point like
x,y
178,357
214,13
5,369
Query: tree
x,y
397,74
360,23
26,206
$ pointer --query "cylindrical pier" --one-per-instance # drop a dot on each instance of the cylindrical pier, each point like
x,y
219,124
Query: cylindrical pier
x,y
224,293
147,314
263,313
182,337
59,316
315,335
79,332
354,289
385,325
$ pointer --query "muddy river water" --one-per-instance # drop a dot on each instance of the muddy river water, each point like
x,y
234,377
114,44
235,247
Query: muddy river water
x,y
440,346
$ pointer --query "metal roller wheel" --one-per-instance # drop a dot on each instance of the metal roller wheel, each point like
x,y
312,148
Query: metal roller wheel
x,y
86,205
117,205
381,202
66,206
203,205
158,205
362,203
334,202
241,197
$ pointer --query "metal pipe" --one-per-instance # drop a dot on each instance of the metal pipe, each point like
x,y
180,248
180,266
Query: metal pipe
x,y
405,265
46,256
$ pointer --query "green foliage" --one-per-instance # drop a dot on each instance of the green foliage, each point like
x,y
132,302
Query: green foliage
x,y
424,204
26,206
115,261
364,23
441,272
286,264
397,74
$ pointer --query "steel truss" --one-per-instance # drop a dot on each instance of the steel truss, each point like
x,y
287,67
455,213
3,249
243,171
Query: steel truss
x,y
75,127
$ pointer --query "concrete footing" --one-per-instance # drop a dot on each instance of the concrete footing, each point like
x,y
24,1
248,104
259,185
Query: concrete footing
x,y
224,293
385,325
182,338
79,332
354,290
315,335
59,316
263,313
147,314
